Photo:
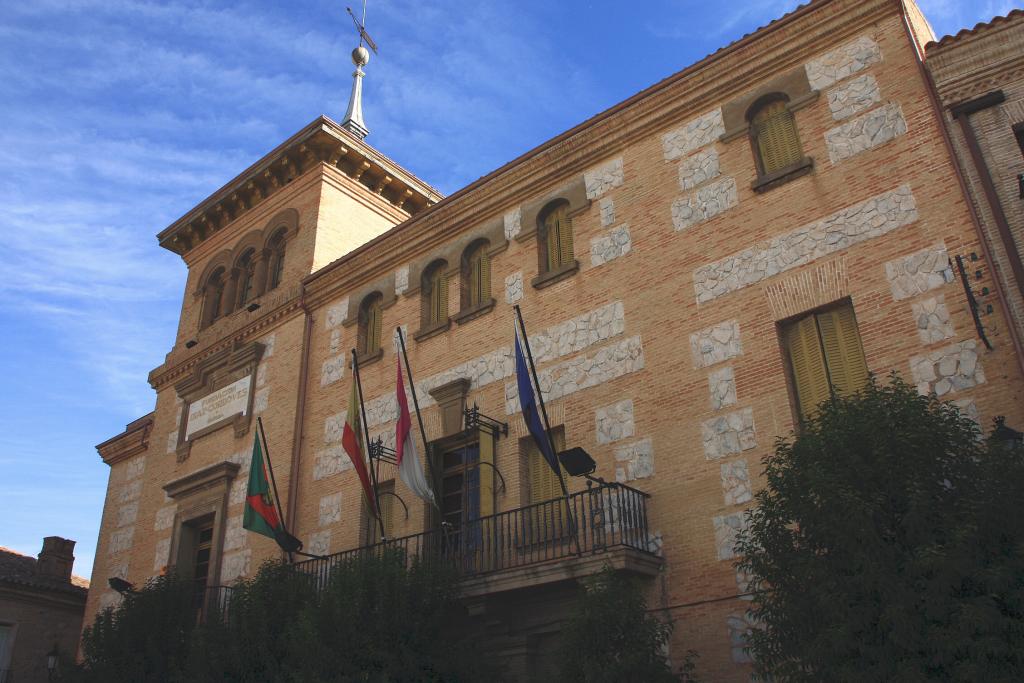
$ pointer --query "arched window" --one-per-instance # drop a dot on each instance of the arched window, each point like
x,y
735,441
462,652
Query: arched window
x,y
773,134
371,318
476,276
555,239
276,255
213,297
246,277
434,295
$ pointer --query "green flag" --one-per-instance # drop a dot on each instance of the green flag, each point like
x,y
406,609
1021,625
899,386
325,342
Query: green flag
x,y
260,512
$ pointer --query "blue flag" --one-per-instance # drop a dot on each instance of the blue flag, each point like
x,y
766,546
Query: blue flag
x,y
530,410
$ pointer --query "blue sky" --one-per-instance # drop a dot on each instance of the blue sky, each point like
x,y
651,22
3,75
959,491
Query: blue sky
x,y
117,116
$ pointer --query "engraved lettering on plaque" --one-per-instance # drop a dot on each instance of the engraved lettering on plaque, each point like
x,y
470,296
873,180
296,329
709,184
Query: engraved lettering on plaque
x,y
221,405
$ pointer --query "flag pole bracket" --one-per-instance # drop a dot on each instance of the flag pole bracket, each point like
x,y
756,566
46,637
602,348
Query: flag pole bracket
x,y
477,420
404,506
378,451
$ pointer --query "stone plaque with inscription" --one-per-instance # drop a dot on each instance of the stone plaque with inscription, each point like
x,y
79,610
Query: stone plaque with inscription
x,y
221,405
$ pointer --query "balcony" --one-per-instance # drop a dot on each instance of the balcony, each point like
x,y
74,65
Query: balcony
x,y
558,539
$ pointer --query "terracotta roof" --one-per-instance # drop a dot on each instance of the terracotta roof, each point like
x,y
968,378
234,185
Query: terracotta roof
x,y
21,569
982,26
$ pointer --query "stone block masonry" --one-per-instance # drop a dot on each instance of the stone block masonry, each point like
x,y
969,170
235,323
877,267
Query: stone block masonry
x,y
514,288
933,321
949,369
842,62
700,132
722,385
704,204
919,272
615,422
727,527
634,461
699,168
611,246
856,95
865,132
877,216
715,344
607,207
600,179
728,434
583,372
736,482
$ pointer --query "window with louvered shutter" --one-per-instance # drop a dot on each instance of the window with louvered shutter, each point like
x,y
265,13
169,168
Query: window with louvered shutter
x,y
774,132
484,293
438,297
558,243
825,355
370,323
543,481
844,355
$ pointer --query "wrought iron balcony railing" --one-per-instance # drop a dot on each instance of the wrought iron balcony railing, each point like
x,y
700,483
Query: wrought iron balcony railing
x,y
586,523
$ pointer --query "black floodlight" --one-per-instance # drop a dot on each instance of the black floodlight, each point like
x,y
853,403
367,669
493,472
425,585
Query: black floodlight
x,y
120,585
190,343
252,307
577,462
1007,436
287,542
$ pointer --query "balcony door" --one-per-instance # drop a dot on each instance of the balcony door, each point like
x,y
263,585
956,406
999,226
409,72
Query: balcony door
x,y
460,497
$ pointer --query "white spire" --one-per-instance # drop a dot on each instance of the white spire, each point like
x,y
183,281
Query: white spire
x,y
353,121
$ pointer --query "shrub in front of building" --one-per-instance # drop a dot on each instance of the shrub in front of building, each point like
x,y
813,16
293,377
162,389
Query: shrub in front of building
x,y
375,619
888,544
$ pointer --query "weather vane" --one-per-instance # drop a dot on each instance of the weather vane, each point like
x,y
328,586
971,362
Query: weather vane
x,y
361,27
353,121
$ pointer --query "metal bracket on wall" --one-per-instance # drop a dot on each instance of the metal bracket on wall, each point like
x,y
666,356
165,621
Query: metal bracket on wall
x,y
475,419
972,302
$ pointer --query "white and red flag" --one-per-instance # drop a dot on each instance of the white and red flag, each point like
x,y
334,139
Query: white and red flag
x,y
409,470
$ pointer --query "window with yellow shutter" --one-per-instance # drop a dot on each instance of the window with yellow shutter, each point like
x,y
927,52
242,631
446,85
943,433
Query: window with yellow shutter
x,y
825,355
557,239
548,519
773,134
371,320
434,297
476,276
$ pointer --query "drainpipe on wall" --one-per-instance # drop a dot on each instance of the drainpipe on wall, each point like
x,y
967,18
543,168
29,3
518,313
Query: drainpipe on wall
x,y
300,408
933,98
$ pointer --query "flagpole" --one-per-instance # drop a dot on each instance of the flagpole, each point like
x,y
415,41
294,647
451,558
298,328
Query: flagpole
x,y
270,467
366,432
547,426
419,417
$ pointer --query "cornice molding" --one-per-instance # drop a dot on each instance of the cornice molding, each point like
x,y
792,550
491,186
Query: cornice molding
x,y
785,44
322,141
129,443
217,475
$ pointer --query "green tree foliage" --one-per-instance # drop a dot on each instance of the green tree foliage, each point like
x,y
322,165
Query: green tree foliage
x,y
612,638
145,638
374,620
888,545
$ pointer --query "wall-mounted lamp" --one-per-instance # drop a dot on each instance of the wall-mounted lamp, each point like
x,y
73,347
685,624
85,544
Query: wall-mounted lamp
x,y
190,343
252,307
52,660
120,585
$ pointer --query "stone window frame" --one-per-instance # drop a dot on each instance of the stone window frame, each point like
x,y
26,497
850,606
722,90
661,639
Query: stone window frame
x,y
792,85
467,309
782,325
198,496
548,276
212,290
367,353
269,248
429,325
767,180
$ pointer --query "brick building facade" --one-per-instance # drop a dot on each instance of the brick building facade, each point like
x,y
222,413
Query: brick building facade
x,y
693,266
41,608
